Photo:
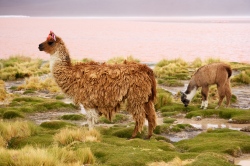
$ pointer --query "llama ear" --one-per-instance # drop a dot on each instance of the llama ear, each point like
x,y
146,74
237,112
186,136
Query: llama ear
x,y
51,36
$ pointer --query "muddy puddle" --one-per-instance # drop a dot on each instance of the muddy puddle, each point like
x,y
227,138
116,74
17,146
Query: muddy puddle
x,y
201,126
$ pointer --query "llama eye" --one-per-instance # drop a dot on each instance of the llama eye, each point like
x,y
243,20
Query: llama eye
x,y
50,43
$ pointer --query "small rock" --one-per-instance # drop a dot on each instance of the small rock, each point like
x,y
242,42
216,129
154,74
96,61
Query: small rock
x,y
198,118
246,129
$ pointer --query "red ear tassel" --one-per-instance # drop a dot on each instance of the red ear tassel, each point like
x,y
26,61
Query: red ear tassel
x,y
51,35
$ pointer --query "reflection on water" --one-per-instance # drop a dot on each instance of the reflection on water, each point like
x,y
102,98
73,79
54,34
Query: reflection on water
x,y
244,162
203,125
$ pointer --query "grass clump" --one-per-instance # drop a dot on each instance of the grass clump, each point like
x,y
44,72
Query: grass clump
x,y
36,104
47,157
237,115
168,120
118,118
67,136
73,117
36,83
20,67
16,129
162,98
242,78
122,59
55,124
216,141
4,96
11,114
168,72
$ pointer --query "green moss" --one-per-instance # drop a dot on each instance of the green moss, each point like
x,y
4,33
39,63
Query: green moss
x,y
28,91
237,115
73,117
216,141
168,120
60,97
55,124
11,115
20,66
35,104
210,159
163,98
118,118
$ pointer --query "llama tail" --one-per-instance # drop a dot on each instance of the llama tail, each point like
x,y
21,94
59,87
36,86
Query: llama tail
x,y
153,86
229,71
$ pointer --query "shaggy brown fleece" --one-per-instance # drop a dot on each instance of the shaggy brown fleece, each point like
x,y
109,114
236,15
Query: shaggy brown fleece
x,y
104,87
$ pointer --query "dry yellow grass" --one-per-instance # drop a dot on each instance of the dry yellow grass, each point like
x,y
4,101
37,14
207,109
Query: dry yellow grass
x,y
36,83
3,93
3,143
30,156
175,162
17,129
67,136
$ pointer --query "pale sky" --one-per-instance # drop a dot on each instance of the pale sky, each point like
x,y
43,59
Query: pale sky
x,y
125,7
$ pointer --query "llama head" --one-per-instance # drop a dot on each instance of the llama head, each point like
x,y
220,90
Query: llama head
x,y
184,99
50,45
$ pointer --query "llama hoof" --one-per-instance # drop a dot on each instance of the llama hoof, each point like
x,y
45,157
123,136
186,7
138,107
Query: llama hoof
x,y
130,138
216,107
147,138
205,108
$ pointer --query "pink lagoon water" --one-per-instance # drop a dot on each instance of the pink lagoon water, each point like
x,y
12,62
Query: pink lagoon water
x,y
148,39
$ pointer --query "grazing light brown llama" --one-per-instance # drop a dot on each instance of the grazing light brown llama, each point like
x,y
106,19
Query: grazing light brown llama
x,y
214,73
101,88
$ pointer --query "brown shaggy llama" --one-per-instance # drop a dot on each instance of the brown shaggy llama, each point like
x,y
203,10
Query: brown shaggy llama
x,y
102,88
214,73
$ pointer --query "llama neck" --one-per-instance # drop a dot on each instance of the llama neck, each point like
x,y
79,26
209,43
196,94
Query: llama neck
x,y
60,57
53,60
191,89
191,94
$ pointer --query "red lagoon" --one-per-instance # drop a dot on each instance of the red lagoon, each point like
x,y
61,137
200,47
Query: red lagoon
x,y
149,40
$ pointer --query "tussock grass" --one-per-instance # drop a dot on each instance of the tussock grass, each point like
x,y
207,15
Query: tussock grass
x,y
216,141
242,78
68,135
168,71
237,115
74,117
162,98
55,124
168,120
12,114
175,162
36,104
20,66
122,59
118,118
4,96
37,83
16,129
53,156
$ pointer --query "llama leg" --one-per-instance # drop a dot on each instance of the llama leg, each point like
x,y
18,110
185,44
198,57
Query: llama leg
x,y
139,116
228,92
221,92
204,94
151,117
92,118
